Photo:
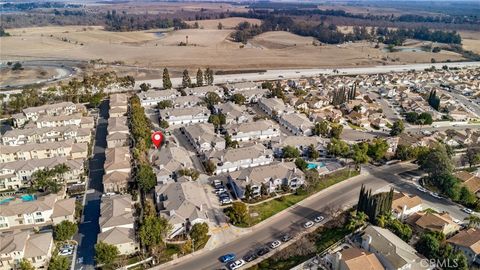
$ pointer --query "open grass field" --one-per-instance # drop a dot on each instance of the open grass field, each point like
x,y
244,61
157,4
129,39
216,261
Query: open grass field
x,y
206,47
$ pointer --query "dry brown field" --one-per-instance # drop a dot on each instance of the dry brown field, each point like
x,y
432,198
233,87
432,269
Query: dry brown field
x,y
206,47
26,76
228,23
471,41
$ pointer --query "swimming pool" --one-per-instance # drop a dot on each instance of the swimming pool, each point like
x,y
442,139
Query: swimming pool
x,y
312,166
6,200
25,198
28,197
315,165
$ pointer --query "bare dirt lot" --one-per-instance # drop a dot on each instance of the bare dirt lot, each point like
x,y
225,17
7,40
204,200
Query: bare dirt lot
x,y
206,47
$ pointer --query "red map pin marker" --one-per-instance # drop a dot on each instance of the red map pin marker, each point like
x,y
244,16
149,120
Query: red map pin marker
x,y
157,138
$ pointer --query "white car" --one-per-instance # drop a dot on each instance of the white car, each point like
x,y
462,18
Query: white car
x,y
68,246
319,219
308,224
467,210
236,264
435,195
275,244
65,252
421,189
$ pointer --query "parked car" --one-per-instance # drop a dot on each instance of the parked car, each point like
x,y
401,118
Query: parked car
x,y
319,219
275,244
227,258
226,201
65,252
236,264
467,210
420,188
287,237
262,251
308,224
250,256
217,183
67,246
435,195
220,190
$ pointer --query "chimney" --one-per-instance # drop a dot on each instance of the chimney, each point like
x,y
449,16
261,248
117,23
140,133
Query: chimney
x,y
247,179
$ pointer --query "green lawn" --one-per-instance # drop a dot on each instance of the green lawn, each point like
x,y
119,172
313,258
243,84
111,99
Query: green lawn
x,y
330,237
272,207
355,127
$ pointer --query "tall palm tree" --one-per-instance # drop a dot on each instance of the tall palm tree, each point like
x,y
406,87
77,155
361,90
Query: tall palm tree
x,y
473,221
357,219
381,221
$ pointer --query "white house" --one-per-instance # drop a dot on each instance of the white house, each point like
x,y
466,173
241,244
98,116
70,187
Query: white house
x,y
185,116
235,159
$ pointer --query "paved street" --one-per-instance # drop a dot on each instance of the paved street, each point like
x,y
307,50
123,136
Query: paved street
x,y
340,196
298,73
89,228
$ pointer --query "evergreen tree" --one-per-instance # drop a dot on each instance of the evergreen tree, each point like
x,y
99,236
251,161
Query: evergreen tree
x,y
208,76
186,81
167,84
374,205
199,77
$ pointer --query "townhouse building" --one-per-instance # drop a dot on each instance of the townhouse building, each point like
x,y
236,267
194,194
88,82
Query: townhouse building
x,y
42,135
34,247
302,143
33,113
259,130
274,107
184,116
117,223
181,203
203,137
153,97
233,113
186,101
117,159
203,90
17,174
169,160
274,177
65,120
36,212
238,158
297,123
66,148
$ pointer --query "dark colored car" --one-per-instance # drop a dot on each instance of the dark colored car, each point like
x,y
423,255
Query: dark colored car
x,y
286,238
227,258
262,251
249,257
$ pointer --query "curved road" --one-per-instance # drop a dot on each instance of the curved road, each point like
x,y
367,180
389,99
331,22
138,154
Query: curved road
x,y
64,68
339,196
